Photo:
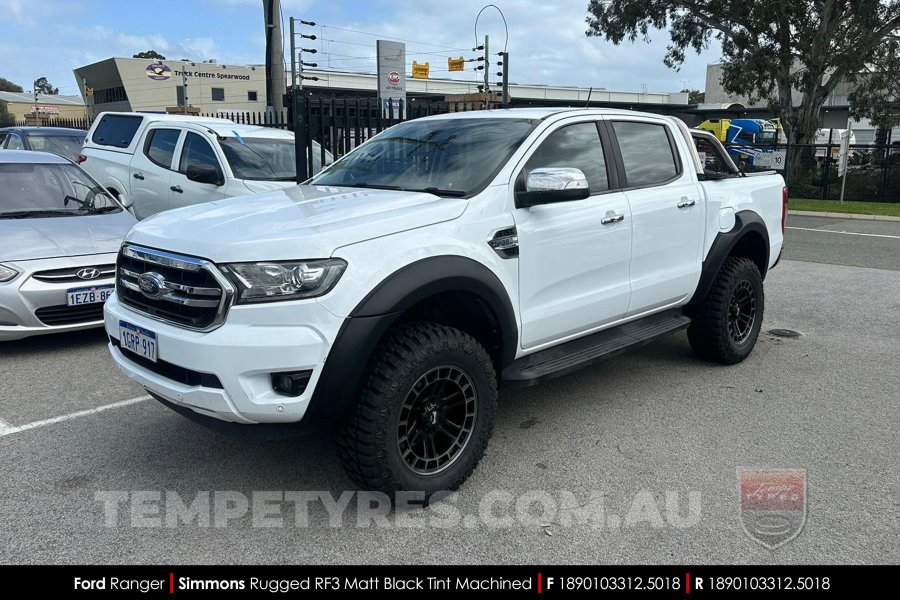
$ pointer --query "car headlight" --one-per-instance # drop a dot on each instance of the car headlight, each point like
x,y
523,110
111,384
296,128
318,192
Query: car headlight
x,y
294,280
7,273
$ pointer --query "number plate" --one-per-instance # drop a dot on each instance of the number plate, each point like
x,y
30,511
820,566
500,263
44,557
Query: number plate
x,y
137,340
89,295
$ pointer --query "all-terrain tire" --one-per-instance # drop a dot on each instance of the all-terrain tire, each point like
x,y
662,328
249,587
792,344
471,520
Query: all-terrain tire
x,y
725,324
416,367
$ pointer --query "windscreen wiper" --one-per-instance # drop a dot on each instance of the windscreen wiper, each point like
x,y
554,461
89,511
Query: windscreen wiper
x,y
68,198
96,210
440,192
25,214
374,186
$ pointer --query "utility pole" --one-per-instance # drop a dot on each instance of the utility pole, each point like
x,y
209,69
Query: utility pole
x,y
86,94
504,81
184,86
487,68
35,107
275,84
302,147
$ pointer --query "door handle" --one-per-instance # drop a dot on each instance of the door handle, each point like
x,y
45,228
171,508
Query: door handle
x,y
138,176
176,188
612,219
685,203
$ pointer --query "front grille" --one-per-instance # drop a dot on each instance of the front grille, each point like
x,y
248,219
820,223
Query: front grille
x,y
181,375
70,315
189,292
70,274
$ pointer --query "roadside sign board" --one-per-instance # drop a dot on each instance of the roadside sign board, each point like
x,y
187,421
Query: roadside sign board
x,y
845,152
391,72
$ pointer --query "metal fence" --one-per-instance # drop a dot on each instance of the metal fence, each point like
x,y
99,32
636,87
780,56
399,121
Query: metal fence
x,y
83,123
873,170
339,125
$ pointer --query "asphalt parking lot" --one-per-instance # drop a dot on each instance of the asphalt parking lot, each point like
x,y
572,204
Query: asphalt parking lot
x,y
628,431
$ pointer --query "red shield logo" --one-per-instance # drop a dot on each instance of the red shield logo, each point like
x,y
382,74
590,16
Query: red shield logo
x,y
773,504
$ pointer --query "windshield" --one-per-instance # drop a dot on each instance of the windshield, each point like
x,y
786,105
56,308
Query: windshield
x,y
449,157
766,136
67,146
266,159
50,190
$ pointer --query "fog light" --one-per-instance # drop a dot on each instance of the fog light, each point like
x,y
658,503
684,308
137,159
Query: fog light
x,y
292,383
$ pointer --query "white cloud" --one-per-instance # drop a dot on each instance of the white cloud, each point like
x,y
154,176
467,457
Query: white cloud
x,y
547,43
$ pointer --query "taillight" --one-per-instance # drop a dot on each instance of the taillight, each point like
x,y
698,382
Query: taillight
x,y
81,158
784,207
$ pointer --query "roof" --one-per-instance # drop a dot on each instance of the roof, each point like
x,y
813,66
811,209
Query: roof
x,y
42,98
31,157
577,96
251,131
223,127
536,113
46,131
156,117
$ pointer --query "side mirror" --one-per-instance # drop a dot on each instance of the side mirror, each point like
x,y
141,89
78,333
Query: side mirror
x,y
553,184
127,202
204,174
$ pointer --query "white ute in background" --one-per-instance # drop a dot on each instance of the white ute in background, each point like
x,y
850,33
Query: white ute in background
x,y
156,162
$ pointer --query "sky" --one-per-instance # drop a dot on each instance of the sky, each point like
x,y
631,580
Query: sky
x,y
546,39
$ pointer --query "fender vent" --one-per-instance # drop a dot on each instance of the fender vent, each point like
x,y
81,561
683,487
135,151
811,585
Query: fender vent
x,y
505,243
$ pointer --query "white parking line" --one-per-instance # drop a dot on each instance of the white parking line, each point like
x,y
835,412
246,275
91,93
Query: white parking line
x,y
880,235
7,429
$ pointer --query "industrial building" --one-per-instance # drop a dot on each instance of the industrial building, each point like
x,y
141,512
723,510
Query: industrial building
x,y
23,108
125,84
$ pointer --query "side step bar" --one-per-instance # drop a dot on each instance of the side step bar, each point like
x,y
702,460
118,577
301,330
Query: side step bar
x,y
565,358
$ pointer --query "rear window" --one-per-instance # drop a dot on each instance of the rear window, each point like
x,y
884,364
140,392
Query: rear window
x,y
116,130
647,153
160,146
68,146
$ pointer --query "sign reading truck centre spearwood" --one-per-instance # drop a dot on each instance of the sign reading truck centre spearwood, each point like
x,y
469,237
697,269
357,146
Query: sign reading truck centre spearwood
x,y
209,75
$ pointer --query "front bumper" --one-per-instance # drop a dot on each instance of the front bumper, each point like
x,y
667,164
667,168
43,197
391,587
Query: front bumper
x,y
21,298
235,361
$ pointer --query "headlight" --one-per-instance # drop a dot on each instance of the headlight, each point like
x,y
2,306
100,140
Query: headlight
x,y
7,273
294,280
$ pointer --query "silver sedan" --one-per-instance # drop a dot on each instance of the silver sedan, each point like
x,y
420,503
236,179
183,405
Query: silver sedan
x,y
59,234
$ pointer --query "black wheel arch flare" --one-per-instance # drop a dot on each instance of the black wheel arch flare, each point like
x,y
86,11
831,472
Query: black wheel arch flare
x,y
745,222
367,324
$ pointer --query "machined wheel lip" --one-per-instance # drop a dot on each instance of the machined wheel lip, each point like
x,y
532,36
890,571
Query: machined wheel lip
x,y
742,313
437,420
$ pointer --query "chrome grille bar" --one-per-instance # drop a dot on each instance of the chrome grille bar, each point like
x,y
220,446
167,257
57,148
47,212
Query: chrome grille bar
x,y
183,295
69,274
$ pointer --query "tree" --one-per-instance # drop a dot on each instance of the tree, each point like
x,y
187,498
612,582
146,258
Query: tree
x,y
877,95
6,119
153,54
781,51
8,86
42,86
694,96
